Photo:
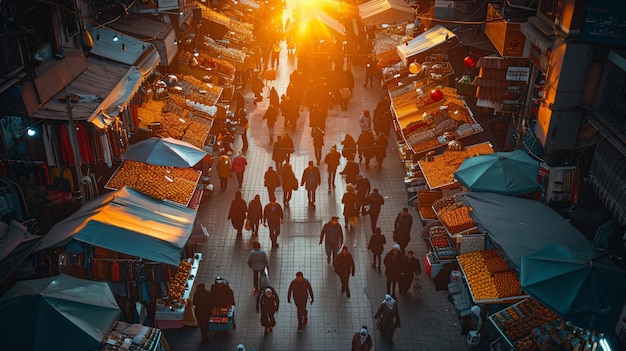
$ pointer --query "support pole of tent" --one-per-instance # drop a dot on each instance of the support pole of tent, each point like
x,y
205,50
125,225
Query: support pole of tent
x,y
71,129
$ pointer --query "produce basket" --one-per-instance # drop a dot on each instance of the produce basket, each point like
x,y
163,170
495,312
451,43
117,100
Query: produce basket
x,y
222,319
454,216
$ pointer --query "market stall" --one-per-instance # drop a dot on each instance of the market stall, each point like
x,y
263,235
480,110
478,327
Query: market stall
x,y
416,48
143,254
379,12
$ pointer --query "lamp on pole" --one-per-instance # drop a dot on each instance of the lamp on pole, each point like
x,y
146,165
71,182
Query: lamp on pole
x,y
74,142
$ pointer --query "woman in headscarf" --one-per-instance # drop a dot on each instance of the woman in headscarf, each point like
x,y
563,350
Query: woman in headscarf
x,y
267,304
362,341
389,318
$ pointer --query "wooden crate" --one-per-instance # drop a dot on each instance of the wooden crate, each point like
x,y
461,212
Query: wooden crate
x,y
425,200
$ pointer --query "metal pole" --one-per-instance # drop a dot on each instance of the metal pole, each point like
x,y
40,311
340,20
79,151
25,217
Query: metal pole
x,y
74,142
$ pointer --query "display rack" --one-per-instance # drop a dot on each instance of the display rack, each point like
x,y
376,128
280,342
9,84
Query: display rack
x,y
170,313
134,337
527,324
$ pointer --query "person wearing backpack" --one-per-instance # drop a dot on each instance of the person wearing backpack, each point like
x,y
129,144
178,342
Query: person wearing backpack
x,y
311,179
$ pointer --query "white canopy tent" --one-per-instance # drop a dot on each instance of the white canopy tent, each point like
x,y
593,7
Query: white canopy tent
x,y
378,12
438,35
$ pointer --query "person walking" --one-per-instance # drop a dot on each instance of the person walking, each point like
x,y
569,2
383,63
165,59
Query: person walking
x,y
351,170
279,155
410,271
349,147
273,96
332,160
318,142
380,149
365,122
311,179
271,181
375,201
377,246
333,234
362,340
350,207
202,310
237,212
344,266
367,144
301,291
288,146
273,218
267,303
223,170
258,261
389,318
271,116
289,182
362,188
257,86
370,70
255,214
394,261
239,166
402,228
221,296
241,116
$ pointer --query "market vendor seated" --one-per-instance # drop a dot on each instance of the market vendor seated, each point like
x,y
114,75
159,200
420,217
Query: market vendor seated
x,y
226,141
221,296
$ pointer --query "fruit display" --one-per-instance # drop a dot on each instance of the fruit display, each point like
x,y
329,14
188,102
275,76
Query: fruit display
x,y
440,171
196,134
179,283
488,275
442,243
529,326
455,217
164,183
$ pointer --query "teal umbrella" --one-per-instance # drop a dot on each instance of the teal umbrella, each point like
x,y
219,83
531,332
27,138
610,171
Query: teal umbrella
x,y
507,173
578,284
57,313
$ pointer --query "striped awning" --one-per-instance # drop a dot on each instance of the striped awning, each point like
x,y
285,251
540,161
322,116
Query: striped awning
x,y
536,37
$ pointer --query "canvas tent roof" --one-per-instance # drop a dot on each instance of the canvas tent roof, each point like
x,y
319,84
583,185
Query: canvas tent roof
x,y
314,18
377,12
438,35
130,222
521,226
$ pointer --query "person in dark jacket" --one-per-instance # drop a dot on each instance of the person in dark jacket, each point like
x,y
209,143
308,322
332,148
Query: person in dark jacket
x,y
350,206
311,179
362,340
394,262
351,170
402,228
344,266
333,234
332,160
389,318
257,88
279,154
221,296
258,262
267,303
349,147
271,116
274,97
365,144
271,181
237,213
288,146
255,214
377,246
375,201
410,270
289,182
301,290
380,149
202,304
273,218
363,188
318,142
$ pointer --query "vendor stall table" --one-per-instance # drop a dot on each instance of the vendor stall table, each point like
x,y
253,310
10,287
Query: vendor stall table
x,y
165,183
528,326
222,319
136,337
170,312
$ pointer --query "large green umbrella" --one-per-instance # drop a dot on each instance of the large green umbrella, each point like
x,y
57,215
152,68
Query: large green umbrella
x,y
577,284
507,173
57,313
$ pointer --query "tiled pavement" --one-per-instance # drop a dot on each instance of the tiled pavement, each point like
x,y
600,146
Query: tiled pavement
x,y
429,321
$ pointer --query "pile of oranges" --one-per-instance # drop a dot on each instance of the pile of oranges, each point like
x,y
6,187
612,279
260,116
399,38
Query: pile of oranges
x,y
488,275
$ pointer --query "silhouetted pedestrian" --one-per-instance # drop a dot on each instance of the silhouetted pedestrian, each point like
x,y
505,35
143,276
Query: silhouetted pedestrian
x,y
344,266
267,303
202,310
301,290
377,246
258,261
